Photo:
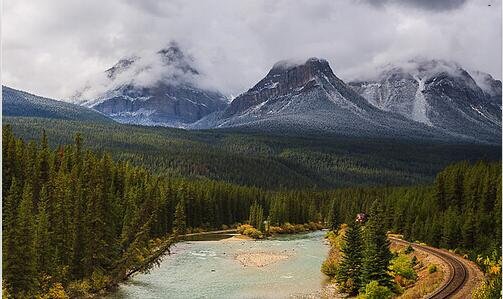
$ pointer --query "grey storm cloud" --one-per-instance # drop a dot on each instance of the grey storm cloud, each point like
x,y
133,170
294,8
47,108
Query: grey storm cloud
x,y
54,47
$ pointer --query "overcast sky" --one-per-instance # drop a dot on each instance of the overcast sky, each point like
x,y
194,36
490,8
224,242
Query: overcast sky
x,y
52,47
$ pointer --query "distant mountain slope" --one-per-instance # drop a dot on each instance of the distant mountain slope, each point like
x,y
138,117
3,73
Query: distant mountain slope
x,y
160,90
439,94
20,103
272,161
308,97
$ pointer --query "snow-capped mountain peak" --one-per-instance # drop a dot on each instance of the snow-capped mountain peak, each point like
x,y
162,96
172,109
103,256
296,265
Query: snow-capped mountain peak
x,y
288,79
440,94
309,97
157,89
121,66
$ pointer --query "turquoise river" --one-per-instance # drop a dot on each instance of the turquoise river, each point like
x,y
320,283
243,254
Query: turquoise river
x,y
210,269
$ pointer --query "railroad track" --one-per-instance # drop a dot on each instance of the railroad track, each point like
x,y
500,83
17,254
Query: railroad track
x,y
458,274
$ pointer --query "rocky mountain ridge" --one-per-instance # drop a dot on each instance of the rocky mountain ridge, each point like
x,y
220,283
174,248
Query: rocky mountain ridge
x,y
439,94
160,90
307,97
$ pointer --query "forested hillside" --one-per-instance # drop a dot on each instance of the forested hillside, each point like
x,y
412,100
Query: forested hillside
x,y
462,209
20,103
76,221
461,212
267,161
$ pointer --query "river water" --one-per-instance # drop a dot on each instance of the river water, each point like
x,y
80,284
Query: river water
x,y
208,269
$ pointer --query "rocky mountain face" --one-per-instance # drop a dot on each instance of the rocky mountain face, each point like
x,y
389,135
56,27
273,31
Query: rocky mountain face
x,y
286,79
308,97
440,94
159,90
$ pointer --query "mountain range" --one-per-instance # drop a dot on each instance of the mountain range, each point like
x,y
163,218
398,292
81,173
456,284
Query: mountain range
x,y
418,99
309,98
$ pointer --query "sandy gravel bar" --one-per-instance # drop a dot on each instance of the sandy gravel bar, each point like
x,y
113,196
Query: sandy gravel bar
x,y
260,259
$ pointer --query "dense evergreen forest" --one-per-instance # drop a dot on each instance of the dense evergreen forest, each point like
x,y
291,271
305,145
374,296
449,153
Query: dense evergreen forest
x,y
462,209
77,221
265,161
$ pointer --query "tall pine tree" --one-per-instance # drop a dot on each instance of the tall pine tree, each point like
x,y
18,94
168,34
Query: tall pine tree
x,y
42,236
334,220
350,268
180,222
376,255
21,277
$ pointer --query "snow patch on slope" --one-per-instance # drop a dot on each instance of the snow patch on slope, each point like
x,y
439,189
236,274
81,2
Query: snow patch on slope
x,y
139,112
420,105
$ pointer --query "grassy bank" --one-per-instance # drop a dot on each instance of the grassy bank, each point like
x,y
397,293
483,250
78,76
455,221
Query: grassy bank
x,y
286,228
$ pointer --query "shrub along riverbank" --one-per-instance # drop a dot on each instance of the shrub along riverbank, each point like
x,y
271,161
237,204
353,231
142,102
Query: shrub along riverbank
x,y
286,228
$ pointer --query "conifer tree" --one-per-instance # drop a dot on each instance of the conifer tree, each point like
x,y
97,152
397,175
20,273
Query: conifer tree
x,y
9,225
21,276
312,212
450,229
97,249
350,268
30,171
7,159
468,229
256,218
131,217
78,234
275,212
61,217
18,161
43,162
180,222
334,216
440,191
77,156
42,237
376,255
